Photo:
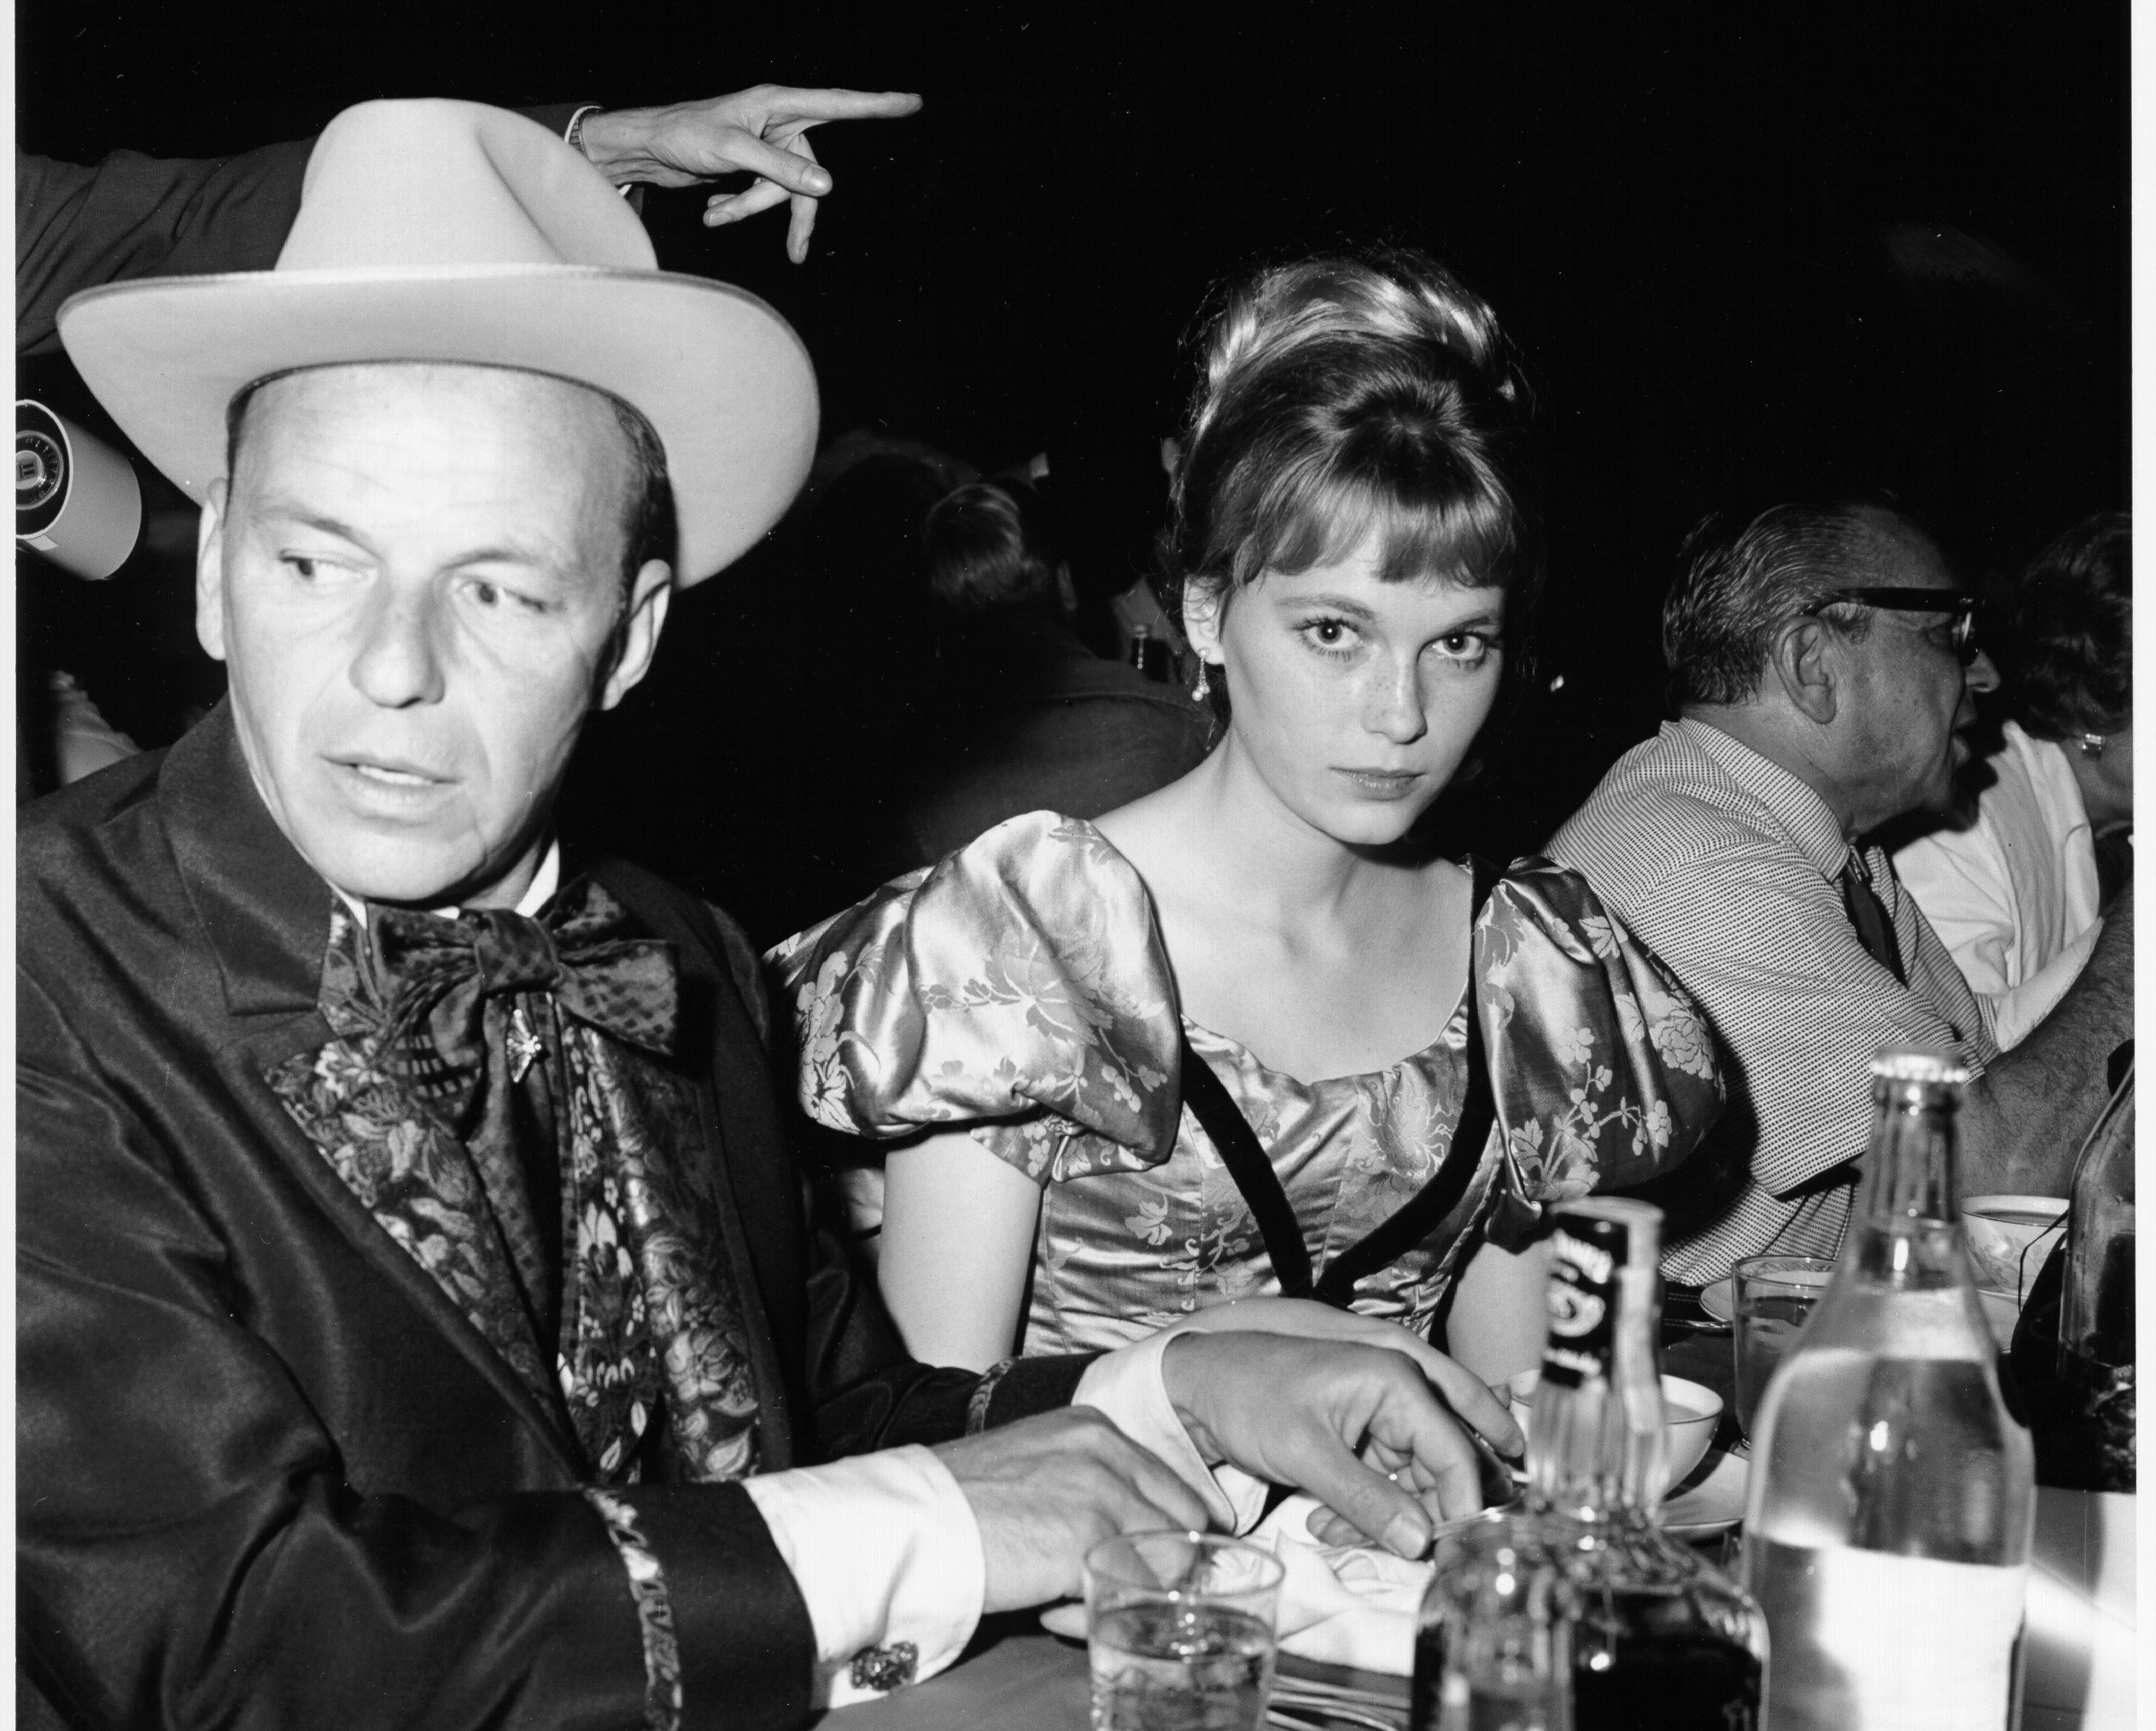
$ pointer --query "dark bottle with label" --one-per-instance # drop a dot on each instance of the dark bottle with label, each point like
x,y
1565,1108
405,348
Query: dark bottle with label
x,y
1657,1636
2093,1448
1578,1611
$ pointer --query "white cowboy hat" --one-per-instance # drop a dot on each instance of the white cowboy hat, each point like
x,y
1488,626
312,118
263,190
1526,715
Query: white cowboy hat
x,y
447,231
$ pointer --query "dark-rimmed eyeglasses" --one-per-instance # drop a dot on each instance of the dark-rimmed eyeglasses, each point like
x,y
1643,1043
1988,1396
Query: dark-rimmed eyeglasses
x,y
1960,602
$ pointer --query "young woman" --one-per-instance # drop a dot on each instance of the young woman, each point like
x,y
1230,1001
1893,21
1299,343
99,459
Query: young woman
x,y
1247,1037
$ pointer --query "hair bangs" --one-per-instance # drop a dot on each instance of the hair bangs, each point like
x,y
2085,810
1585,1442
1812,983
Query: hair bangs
x,y
1456,526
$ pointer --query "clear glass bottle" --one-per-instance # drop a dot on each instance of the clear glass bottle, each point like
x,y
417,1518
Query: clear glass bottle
x,y
1652,1633
2095,1439
1893,1494
1491,1646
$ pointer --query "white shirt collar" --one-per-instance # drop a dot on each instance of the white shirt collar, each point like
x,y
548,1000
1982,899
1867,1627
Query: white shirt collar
x,y
545,881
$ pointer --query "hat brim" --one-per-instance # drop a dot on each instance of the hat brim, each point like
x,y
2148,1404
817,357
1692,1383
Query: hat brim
x,y
722,378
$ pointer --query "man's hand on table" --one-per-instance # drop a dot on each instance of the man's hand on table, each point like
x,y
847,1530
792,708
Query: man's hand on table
x,y
1046,1490
762,132
1297,1410
1291,1407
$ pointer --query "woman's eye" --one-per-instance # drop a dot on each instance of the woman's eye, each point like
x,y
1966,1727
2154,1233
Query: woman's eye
x,y
1465,646
306,569
1329,633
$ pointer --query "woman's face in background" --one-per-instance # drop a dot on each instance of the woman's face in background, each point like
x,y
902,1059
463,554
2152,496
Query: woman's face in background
x,y
1354,700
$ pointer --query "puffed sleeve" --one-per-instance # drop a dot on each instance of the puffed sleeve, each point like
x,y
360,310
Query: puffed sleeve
x,y
1601,1064
1016,988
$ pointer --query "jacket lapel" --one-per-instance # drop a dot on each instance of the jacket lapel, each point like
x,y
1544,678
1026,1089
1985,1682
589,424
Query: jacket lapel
x,y
759,1231
398,1187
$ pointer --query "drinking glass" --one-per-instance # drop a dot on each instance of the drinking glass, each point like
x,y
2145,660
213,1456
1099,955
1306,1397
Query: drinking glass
x,y
1181,1631
1774,1295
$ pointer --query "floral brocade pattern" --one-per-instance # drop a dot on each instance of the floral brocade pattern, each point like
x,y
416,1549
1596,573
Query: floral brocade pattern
x,y
655,1611
653,1317
1018,988
416,1178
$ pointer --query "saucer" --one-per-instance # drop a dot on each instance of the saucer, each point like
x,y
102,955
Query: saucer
x,y
1719,1300
1711,1501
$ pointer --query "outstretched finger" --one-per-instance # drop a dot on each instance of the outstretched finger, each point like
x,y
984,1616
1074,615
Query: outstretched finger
x,y
785,103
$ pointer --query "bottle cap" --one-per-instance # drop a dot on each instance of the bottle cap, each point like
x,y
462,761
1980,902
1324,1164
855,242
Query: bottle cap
x,y
1928,1068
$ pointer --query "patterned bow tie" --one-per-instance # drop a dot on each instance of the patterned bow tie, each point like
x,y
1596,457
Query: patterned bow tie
x,y
438,976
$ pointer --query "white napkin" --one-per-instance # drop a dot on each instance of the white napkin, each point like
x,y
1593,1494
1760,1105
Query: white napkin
x,y
1343,1604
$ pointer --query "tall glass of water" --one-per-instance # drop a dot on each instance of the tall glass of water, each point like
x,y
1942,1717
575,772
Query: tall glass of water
x,y
1181,1631
1773,1295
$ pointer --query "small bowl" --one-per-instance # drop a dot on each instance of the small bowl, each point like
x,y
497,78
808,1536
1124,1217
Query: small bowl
x,y
2009,1237
2001,1313
1690,1412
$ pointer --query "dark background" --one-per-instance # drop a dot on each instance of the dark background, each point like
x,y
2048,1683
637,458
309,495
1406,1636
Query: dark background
x,y
1744,250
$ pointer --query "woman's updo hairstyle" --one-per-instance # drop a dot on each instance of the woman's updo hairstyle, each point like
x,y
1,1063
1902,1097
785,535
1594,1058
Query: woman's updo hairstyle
x,y
1345,395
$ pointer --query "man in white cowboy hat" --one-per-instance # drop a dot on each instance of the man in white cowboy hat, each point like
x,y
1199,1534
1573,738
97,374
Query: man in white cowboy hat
x,y
419,1320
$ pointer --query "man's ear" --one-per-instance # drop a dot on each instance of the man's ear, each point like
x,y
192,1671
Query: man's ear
x,y
210,571
1806,660
1201,610
638,634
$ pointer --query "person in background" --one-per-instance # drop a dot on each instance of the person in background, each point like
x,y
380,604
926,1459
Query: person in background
x,y
1254,1034
418,1319
2015,892
1825,666
1028,718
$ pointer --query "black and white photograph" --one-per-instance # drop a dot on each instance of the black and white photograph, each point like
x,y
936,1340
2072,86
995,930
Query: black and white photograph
x,y
1194,868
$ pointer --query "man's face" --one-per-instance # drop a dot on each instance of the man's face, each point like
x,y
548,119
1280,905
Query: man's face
x,y
415,579
1906,699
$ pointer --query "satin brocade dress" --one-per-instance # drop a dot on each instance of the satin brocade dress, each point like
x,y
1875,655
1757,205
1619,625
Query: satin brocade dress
x,y
1018,988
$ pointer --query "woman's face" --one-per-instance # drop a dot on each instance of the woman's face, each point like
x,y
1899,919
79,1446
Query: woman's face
x,y
1354,699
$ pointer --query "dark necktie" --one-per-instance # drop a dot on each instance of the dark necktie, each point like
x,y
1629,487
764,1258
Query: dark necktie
x,y
472,1006
1867,914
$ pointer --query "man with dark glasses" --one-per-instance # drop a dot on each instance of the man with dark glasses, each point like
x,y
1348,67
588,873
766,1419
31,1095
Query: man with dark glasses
x,y
1959,604
1824,668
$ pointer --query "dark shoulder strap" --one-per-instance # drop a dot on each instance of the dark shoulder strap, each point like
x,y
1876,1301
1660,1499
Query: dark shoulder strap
x,y
1252,1169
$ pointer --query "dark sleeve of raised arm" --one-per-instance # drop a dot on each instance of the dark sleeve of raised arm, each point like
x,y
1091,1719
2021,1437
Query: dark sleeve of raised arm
x,y
133,215
190,1547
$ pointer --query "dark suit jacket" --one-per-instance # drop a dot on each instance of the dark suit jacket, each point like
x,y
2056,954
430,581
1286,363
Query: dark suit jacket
x,y
1031,720
135,215
267,1473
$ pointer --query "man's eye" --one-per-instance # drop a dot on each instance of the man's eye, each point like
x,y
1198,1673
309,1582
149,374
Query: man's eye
x,y
493,596
303,568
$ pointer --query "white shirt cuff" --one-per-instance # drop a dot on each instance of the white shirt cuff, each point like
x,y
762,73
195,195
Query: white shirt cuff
x,y
1127,1387
884,1548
